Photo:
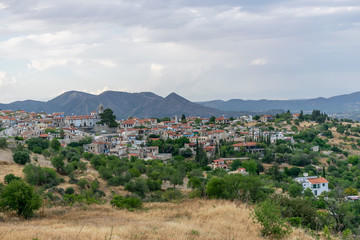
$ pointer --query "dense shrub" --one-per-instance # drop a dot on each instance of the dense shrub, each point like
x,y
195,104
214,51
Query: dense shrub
x,y
129,203
37,144
21,197
38,176
268,214
10,177
21,157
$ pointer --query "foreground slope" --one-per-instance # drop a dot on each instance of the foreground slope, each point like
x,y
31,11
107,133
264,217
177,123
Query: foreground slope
x,y
191,219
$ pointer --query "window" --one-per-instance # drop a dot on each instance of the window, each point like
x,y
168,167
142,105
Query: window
x,y
323,184
315,192
314,185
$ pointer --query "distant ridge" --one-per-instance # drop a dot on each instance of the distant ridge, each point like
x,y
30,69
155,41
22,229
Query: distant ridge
x,y
347,103
124,105
148,104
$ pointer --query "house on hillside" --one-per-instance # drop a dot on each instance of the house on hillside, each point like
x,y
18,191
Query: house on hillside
x,y
316,184
248,147
265,118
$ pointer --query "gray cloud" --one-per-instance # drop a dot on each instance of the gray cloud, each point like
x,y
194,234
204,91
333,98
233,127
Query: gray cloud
x,y
200,49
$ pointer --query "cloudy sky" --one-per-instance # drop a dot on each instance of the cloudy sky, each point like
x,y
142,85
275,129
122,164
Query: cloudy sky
x,y
200,49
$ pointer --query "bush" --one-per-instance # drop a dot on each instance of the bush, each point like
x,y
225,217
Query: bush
x,y
10,177
3,143
129,203
21,157
21,197
36,175
69,190
295,190
37,144
268,214
137,186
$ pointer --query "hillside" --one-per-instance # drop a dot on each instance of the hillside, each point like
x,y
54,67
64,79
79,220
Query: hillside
x,y
191,219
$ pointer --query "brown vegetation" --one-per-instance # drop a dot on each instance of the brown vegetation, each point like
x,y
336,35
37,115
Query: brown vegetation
x,y
192,219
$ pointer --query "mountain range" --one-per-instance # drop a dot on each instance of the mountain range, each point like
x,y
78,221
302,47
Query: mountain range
x,y
124,105
346,105
148,104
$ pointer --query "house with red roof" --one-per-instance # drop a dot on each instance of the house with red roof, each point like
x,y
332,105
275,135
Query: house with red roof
x,y
316,184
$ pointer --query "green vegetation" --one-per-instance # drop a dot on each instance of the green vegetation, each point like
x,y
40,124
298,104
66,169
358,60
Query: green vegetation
x,y
21,157
129,203
108,118
20,197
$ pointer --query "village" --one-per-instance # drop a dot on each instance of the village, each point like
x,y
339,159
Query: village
x,y
132,136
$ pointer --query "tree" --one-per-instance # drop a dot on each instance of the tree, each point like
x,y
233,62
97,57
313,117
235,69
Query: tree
x,y
58,163
308,193
235,164
294,171
350,191
3,143
250,166
55,144
212,119
216,188
200,155
268,214
21,157
21,197
301,116
10,177
295,190
37,144
176,179
108,118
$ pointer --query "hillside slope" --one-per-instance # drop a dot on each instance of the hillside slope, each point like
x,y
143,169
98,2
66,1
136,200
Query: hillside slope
x,y
191,219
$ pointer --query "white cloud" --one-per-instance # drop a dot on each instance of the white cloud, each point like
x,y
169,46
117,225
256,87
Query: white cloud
x,y
4,79
3,5
316,11
156,70
259,61
42,65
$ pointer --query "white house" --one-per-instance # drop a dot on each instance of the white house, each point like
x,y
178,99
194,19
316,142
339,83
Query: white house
x,y
317,185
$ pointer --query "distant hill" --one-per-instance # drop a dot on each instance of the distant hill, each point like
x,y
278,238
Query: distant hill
x,y
148,104
124,105
348,103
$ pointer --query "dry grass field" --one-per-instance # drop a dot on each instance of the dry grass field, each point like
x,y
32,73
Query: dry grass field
x,y
191,219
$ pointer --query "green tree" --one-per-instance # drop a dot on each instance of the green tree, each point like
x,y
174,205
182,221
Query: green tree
x,y
235,164
250,166
55,144
21,157
216,188
350,191
268,214
20,197
295,190
212,119
3,143
176,179
58,163
108,118
37,144
10,177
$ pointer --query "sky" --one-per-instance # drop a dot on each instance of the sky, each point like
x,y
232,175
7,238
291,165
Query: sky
x,y
200,49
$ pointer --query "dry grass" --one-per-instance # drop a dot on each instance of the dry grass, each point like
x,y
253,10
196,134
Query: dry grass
x,y
192,219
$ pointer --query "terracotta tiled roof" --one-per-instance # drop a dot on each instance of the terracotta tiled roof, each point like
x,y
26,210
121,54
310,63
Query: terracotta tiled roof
x,y
317,180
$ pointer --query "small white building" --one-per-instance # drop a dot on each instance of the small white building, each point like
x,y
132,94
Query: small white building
x,y
316,184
